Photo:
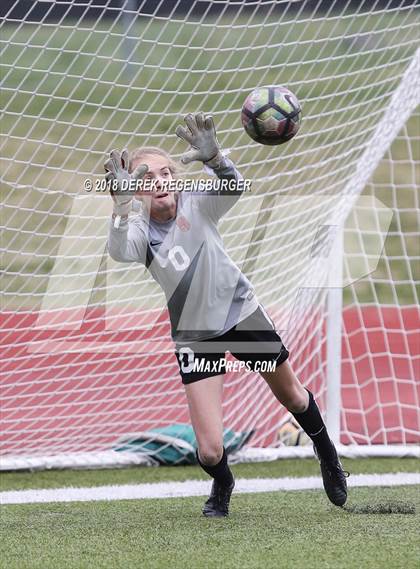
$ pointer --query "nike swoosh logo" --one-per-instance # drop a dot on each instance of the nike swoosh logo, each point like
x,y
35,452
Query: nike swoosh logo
x,y
153,243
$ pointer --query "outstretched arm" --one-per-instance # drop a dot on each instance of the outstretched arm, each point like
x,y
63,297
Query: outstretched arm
x,y
201,135
126,241
218,202
204,147
120,180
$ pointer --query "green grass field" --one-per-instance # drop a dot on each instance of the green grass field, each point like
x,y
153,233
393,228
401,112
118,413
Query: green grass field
x,y
272,530
68,101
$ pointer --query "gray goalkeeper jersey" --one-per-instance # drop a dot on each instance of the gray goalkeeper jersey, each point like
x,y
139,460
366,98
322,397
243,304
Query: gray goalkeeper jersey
x,y
206,292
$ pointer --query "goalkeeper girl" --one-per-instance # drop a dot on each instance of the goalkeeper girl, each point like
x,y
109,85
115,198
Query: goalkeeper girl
x,y
211,303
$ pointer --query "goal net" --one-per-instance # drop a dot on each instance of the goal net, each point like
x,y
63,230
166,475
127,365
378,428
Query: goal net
x,y
328,235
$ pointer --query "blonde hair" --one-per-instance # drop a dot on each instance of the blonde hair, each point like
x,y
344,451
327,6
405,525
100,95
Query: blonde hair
x,y
137,154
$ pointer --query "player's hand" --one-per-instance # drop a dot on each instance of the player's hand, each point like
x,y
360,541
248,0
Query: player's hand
x,y
116,172
201,135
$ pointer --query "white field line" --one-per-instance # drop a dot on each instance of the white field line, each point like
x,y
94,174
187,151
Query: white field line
x,y
193,488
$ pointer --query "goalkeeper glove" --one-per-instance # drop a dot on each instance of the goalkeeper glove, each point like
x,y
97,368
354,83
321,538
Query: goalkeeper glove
x,y
201,135
120,179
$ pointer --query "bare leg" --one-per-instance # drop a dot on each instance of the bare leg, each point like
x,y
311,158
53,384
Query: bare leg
x,y
205,405
287,388
290,392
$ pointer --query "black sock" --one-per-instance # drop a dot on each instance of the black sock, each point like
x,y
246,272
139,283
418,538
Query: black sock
x,y
313,425
220,471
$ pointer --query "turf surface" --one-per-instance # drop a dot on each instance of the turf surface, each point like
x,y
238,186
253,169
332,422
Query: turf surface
x,y
273,530
295,529
276,469
276,530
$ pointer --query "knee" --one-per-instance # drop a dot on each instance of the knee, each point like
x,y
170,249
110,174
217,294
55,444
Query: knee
x,y
210,454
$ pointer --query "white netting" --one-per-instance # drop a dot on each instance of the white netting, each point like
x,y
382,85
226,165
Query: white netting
x,y
86,356
380,366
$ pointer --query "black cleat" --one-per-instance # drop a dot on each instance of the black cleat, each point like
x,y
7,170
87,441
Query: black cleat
x,y
334,479
217,506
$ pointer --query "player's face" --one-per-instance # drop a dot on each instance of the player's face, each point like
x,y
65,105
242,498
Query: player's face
x,y
162,204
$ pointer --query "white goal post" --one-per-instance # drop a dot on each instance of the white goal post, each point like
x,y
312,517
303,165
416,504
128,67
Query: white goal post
x,y
328,234
402,105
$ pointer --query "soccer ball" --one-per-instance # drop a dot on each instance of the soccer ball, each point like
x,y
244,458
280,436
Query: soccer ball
x,y
271,115
291,435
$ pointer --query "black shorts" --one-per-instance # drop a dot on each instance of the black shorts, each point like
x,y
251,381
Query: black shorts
x,y
254,342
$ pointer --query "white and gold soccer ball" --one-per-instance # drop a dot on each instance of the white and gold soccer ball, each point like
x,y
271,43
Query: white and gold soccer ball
x,y
290,434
